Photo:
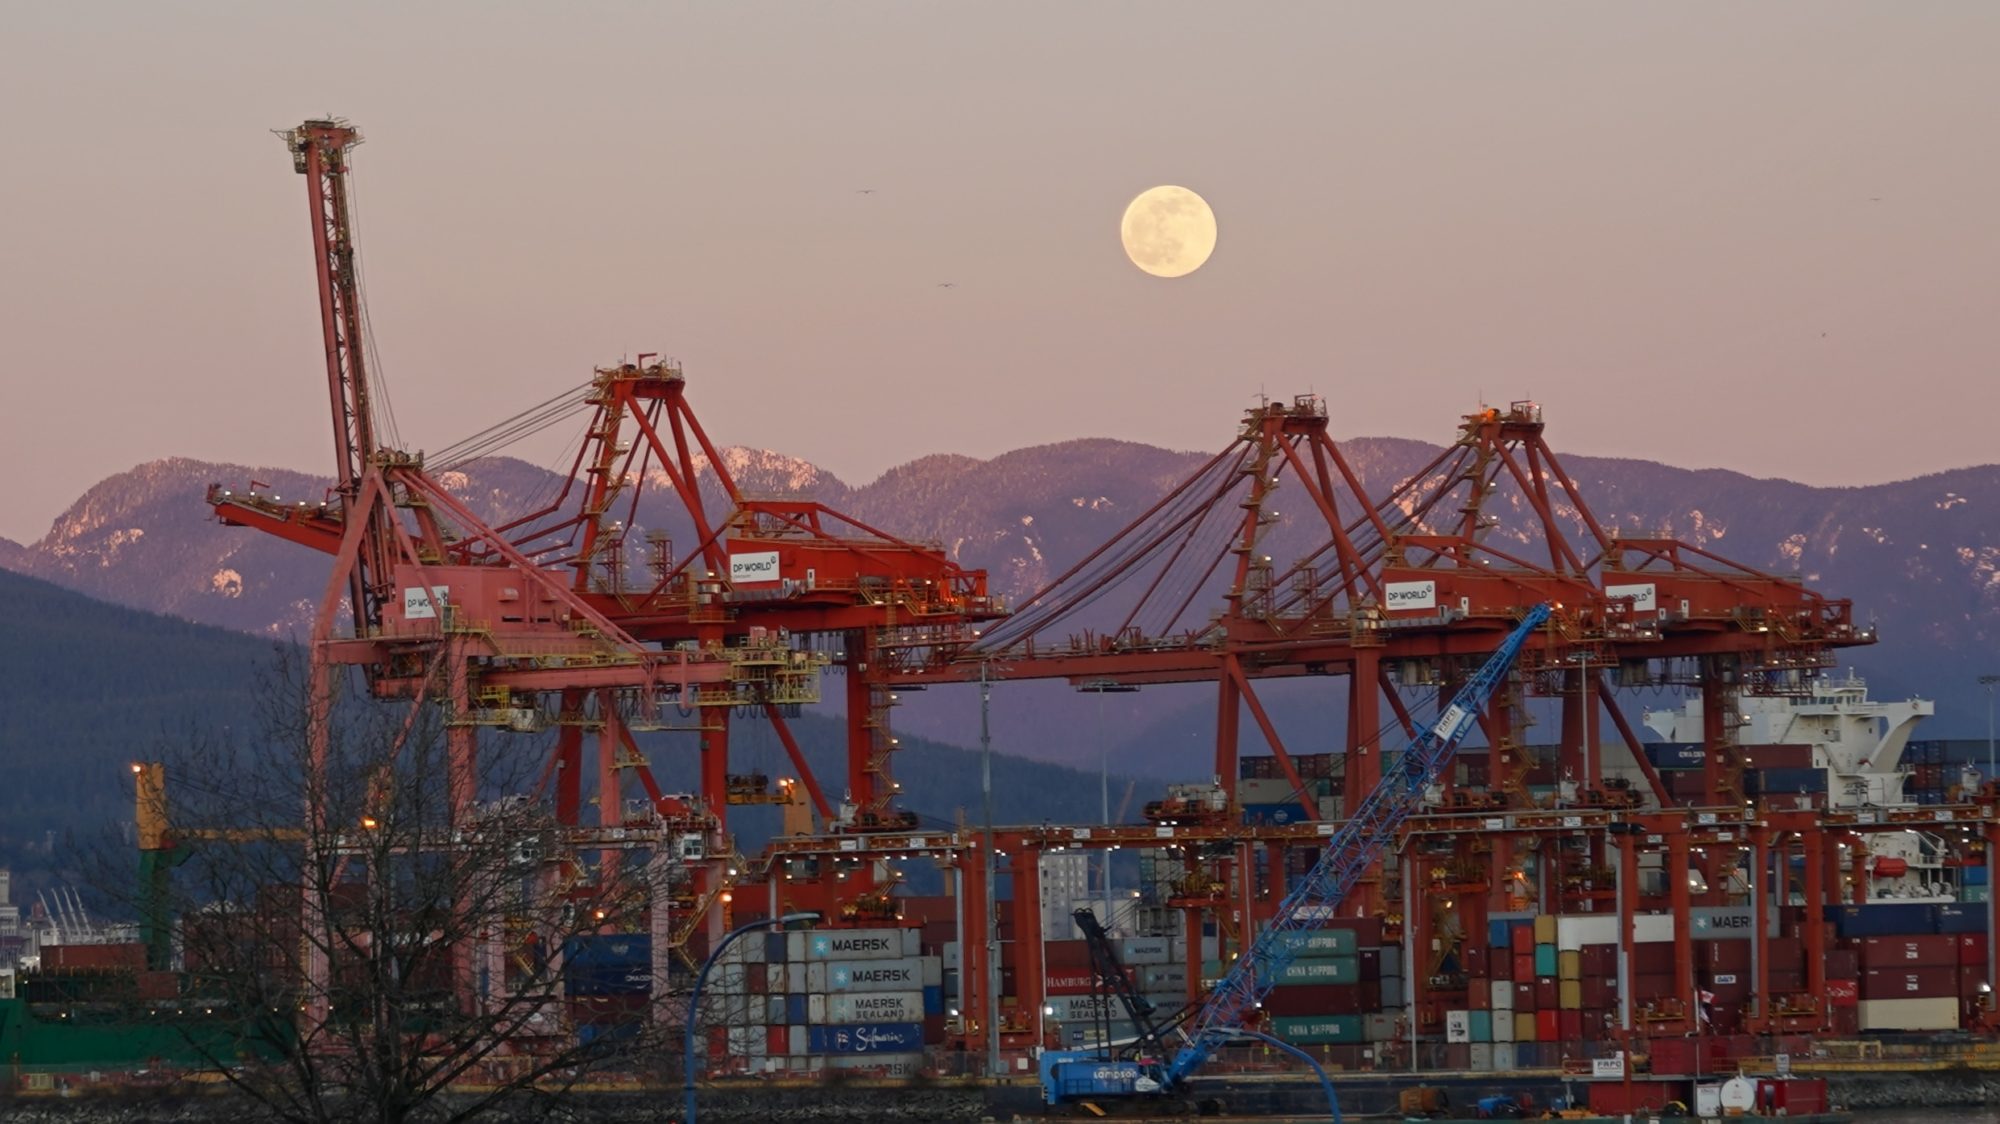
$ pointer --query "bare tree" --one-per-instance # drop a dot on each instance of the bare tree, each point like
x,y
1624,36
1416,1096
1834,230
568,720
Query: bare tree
x,y
378,952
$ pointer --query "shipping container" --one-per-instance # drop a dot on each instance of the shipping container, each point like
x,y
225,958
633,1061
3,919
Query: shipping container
x,y
857,944
865,1038
1317,1029
876,975
876,1007
1939,1013
1321,970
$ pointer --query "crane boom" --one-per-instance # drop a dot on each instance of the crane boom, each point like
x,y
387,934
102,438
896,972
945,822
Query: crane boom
x,y
319,153
1357,845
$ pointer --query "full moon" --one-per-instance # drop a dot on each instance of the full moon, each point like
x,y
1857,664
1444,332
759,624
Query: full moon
x,y
1168,231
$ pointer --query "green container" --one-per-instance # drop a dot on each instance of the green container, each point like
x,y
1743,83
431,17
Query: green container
x,y
1321,942
1545,960
1481,1024
1305,1030
1974,893
1321,970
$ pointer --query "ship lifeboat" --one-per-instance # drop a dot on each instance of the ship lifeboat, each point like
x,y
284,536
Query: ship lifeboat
x,y
1889,866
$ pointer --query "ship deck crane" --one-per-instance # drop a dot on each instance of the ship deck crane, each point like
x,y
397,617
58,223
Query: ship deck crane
x,y
1359,843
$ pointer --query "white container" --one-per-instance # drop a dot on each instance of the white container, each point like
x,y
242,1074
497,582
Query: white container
x,y
1577,930
816,1009
1482,1055
1085,1008
1503,998
950,954
1652,927
795,946
1503,1054
1909,1014
774,1010
933,972
890,1065
1458,1026
876,1007
879,975
1503,1028
1380,1026
913,942
774,978
855,944
1145,950
798,1041
815,978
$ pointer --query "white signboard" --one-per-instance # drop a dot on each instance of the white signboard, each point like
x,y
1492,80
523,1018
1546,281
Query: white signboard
x,y
753,568
1399,596
1613,1066
421,606
1643,600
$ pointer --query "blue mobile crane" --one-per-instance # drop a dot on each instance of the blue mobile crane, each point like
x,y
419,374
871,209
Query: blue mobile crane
x,y
1069,1076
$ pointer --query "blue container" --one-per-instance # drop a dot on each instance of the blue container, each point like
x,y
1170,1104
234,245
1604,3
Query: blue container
x,y
866,1038
933,1001
1482,1025
1545,960
615,964
1676,755
1883,919
1972,876
1960,919
774,948
1498,935
1783,782
1273,815
795,1010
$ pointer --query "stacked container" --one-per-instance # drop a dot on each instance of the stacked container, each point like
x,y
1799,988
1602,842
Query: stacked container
x,y
807,1001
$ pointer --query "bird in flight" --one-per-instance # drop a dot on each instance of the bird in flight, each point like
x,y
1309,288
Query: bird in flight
x,y
947,284
864,191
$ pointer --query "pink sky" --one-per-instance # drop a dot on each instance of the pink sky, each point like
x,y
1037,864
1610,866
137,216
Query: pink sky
x,y
1760,237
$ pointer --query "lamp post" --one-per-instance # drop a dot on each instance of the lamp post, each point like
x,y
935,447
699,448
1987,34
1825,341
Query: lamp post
x,y
1100,688
992,934
1989,682
701,977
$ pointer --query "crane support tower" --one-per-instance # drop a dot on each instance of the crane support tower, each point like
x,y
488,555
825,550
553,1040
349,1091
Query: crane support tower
x,y
1357,845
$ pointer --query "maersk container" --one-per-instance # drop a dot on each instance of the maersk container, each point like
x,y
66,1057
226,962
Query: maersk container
x,y
876,975
876,1007
865,1038
856,944
1133,951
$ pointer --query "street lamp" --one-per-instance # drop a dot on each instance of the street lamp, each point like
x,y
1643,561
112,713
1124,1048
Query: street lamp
x,y
701,977
1989,682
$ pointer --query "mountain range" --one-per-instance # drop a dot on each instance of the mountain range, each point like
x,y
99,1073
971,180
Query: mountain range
x,y
1919,557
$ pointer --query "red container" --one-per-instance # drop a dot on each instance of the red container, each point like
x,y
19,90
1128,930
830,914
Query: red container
x,y
777,1041
1500,964
1672,1055
1795,1096
1908,952
1778,756
1524,966
1315,999
1599,991
70,957
1547,1026
1842,993
1600,960
1074,981
1524,995
1065,954
1842,964
1369,960
1788,980
1845,1020
1786,953
1548,996
1909,983
1522,939
1641,1098
1971,948
1653,986
1478,993
1725,956
1475,962
1653,958
1570,1023
1970,976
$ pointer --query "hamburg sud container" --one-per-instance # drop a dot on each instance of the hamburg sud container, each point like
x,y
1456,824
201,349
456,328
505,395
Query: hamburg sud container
x,y
810,1001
